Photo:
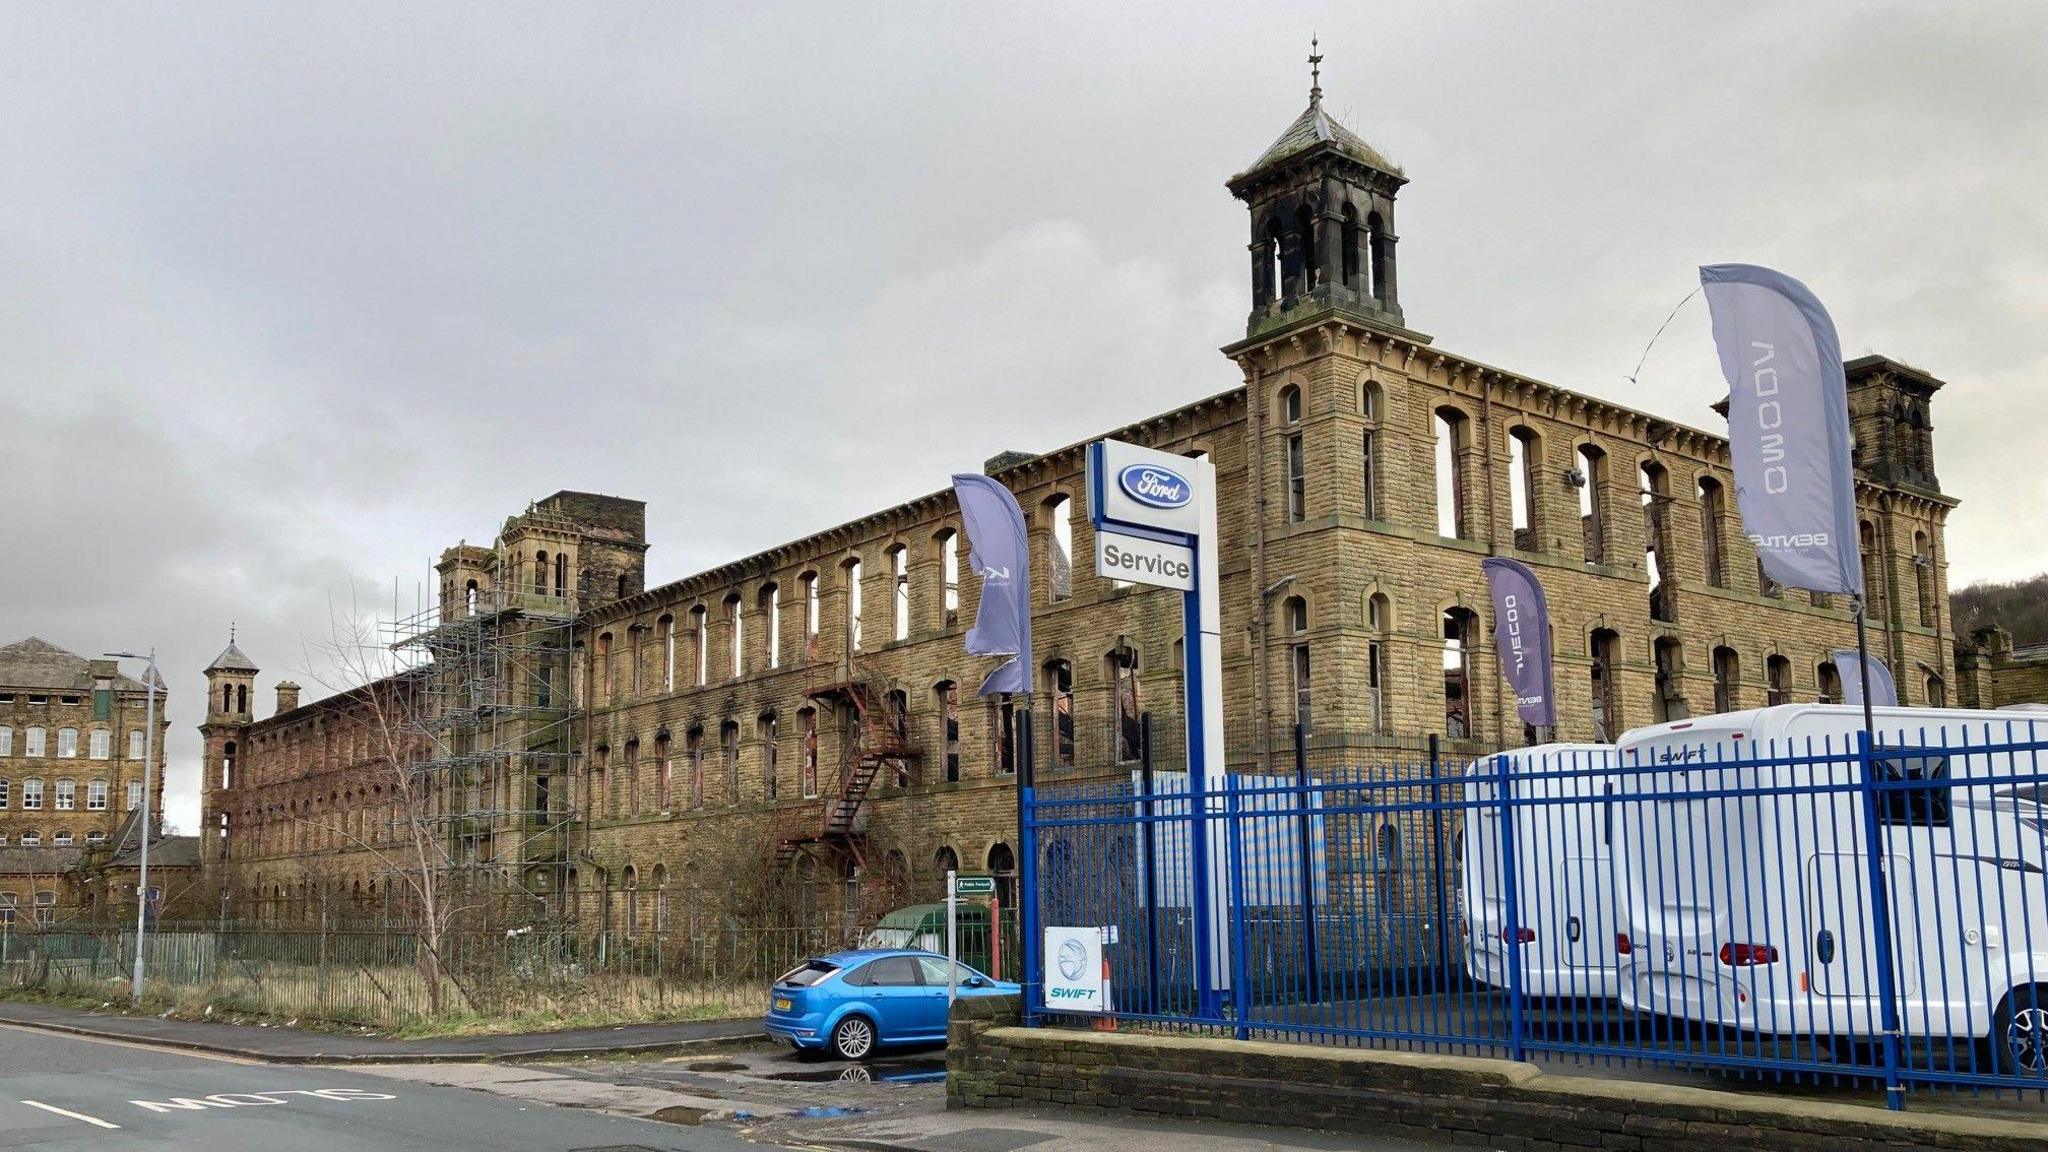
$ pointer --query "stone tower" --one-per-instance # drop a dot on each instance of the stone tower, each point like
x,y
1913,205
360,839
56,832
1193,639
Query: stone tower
x,y
1322,223
230,680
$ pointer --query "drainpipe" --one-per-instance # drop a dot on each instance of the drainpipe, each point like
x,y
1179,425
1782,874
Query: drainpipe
x,y
1262,684
1500,731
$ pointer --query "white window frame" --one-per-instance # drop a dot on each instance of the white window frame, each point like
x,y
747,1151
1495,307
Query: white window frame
x,y
96,795
135,744
31,839
6,740
35,741
67,743
62,838
96,836
66,795
134,795
100,744
32,794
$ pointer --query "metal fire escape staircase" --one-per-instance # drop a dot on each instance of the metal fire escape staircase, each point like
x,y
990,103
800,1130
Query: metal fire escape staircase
x,y
878,737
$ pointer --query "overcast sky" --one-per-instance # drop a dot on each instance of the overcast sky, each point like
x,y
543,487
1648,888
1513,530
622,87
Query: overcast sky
x,y
292,297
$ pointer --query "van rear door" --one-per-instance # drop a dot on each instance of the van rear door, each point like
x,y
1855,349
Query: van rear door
x,y
1841,953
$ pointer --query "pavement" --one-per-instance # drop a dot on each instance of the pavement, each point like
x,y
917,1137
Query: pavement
x,y
74,1094
279,1045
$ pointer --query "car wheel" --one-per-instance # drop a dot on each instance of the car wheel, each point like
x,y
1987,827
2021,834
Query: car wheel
x,y
854,1038
2019,1033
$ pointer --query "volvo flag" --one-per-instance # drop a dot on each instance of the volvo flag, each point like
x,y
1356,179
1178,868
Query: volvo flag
x,y
1883,693
1788,426
1000,553
1521,630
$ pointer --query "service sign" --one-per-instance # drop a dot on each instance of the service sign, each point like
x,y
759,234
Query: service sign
x,y
1073,970
1144,487
1141,561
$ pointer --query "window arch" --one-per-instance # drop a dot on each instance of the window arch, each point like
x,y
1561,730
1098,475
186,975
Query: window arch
x,y
1937,691
1592,484
948,542
1379,614
729,743
851,573
1453,435
540,573
1604,646
632,901
1121,664
1059,679
765,731
1713,530
1778,680
700,638
945,860
1459,629
1828,682
1295,613
807,760
736,635
561,574
1002,864
1727,679
770,603
1295,454
1669,657
1059,552
948,699
1923,581
1655,492
1525,462
1356,277
667,627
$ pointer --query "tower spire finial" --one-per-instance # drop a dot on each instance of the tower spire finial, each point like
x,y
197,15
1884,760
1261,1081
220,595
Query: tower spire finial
x,y
231,631
1315,71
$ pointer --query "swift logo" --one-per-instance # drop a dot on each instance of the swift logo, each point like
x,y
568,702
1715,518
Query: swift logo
x,y
1155,487
1073,993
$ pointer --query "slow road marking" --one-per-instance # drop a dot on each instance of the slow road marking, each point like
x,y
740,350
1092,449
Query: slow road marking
x,y
242,1100
93,1120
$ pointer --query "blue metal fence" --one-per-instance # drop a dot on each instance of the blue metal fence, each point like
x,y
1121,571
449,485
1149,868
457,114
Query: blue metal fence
x,y
1697,896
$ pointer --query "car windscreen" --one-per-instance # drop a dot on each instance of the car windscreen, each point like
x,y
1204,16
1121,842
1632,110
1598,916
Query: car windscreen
x,y
808,973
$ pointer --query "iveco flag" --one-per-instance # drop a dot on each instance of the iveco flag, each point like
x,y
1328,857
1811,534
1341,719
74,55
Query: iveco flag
x,y
1883,692
1788,426
1001,555
1521,629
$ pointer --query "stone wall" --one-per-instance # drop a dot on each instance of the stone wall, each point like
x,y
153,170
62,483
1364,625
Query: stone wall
x,y
994,1063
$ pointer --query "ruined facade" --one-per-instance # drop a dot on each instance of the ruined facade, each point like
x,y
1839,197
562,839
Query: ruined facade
x,y
809,709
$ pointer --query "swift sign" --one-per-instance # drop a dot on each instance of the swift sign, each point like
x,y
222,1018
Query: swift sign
x,y
1073,970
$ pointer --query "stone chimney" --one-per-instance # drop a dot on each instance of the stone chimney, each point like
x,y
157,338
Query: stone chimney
x,y
287,696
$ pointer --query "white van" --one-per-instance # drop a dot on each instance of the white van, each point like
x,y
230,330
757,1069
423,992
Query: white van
x,y
1743,850
1564,876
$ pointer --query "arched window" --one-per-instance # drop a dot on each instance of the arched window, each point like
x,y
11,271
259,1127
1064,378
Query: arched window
x,y
660,900
1272,262
1296,614
1778,681
693,747
700,639
605,675
1452,436
1654,487
1923,580
469,595
899,600
664,772
771,610
561,574
1380,253
764,730
1937,692
1873,579
1605,651
736,639
7,740
1348,239
600,782
1524,468
851,572
633,776
632,901
540,573
1059,677
1002,864
99,744
1592,482
949,577
1296,455
812,619
1059,552
1309,273
948,698
1458,630
1828,680
1670,660
1122,666
1727,679
667,627
729,741
1378,620
67,743
945,860
1713,530
623,586
807,763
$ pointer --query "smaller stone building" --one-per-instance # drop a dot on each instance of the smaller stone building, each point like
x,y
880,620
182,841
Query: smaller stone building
x,y
1992,673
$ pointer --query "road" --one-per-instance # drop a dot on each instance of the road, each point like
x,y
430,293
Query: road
x,y
62,1092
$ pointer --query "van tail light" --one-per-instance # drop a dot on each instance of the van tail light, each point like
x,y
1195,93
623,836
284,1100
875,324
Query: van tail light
x,y
1518,935
1623,946
1746,955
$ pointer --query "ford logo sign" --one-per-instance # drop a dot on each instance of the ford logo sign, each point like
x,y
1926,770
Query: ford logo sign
x,y
1155,487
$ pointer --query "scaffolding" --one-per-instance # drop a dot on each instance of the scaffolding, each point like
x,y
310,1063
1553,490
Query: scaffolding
x,y
496,717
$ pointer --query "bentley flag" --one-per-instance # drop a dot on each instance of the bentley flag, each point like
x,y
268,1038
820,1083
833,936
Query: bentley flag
x,y
1521,630
1000,553
1788,426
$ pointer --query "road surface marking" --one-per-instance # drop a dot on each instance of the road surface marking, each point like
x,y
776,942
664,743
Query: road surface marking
x,y
93,1120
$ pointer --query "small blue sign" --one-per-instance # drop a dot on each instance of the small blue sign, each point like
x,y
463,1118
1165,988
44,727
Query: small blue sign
x,y
1155,487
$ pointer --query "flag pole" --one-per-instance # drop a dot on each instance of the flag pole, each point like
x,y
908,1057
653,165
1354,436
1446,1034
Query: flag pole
x,y
1863,668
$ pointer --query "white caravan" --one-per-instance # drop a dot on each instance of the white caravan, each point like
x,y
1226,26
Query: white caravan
x,y
1564,876
1743,849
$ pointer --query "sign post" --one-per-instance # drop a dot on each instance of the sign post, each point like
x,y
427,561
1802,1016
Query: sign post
x,y
952,935
1155,523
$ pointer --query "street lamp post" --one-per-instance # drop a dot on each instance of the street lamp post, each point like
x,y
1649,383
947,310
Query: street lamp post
x,y
148,780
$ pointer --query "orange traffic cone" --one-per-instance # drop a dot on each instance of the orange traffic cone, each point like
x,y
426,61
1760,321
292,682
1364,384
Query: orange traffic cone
x,y
1107,1021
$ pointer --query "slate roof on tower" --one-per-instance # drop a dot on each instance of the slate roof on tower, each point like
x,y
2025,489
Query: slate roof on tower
x,y
1315,128
232,660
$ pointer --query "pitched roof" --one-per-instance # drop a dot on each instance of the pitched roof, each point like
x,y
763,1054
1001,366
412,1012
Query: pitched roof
x,y
37,663
1314,128
164,852
46,861
232,660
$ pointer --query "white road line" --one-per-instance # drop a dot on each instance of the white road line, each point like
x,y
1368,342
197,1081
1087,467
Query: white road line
x,y
93,1120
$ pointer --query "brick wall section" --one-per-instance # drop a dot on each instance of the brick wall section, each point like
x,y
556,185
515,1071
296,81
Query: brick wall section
x,y
1495,1104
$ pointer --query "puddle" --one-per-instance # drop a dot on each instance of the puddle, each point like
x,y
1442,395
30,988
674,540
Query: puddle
x,y
677,1114
716,1066
922,1072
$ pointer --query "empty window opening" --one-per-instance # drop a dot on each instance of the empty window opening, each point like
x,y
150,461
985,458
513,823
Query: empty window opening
x,y
771,608
1606,654
1298,659
700,629
899,565
1059,675
1828,681
1670,699
1923,580
736,635
1727,679
1451,438
1654,490
1713,530
948,694
1458,629
1059,513
949,576
1123,678
853,606
1377,612
1592,484
807,763
1523,461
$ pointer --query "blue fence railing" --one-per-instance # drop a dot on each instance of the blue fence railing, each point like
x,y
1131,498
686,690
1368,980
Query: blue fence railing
x,y
1699,896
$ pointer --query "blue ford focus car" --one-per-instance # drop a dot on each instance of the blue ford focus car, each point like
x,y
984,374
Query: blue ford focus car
x,y
851,1003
